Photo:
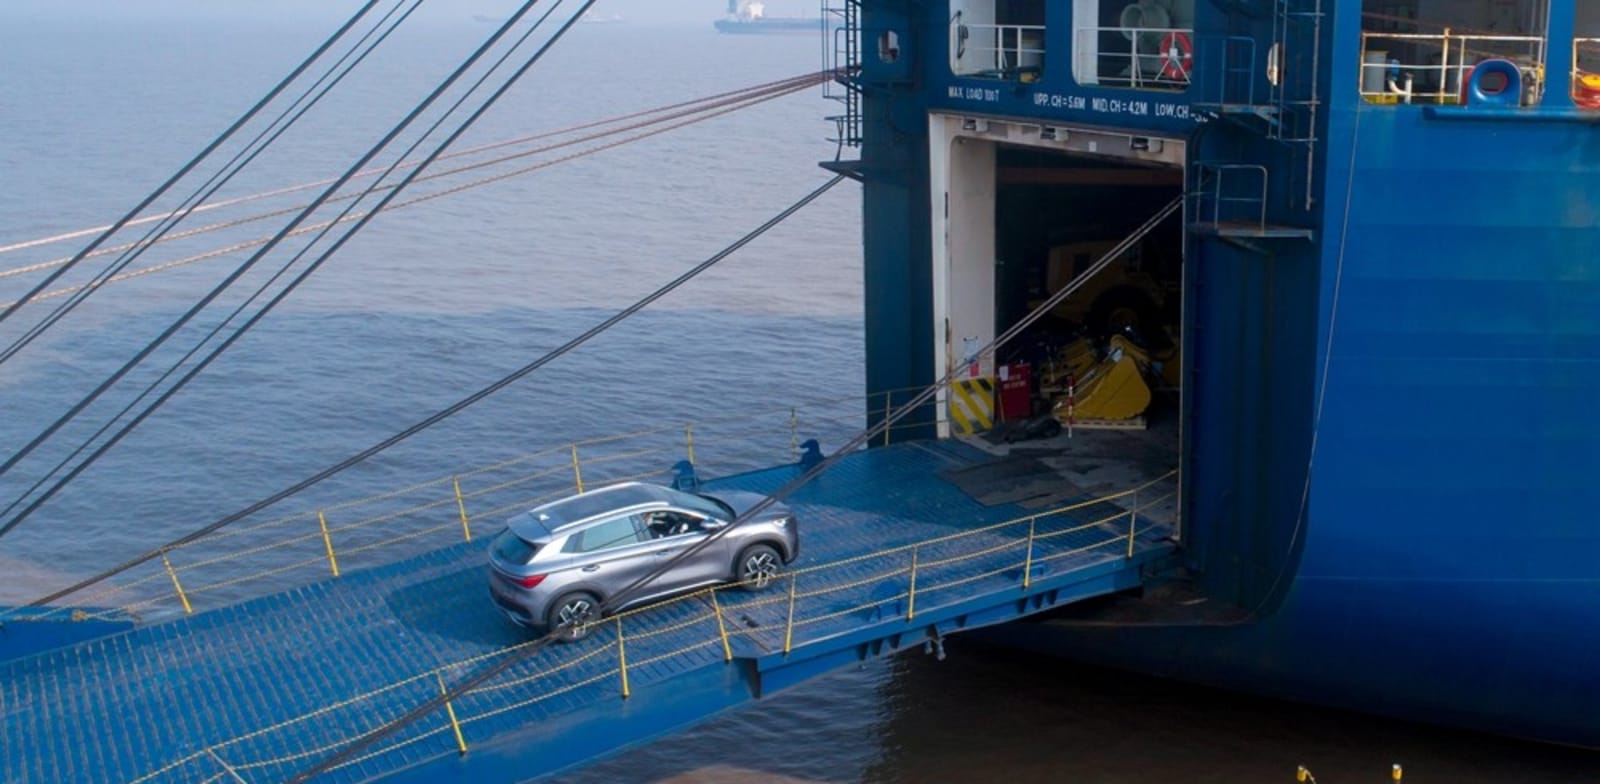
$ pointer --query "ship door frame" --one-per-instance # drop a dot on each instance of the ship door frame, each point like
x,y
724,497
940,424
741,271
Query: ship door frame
x,y
963,182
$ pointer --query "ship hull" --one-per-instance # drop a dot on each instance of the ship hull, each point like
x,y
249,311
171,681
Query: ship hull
x,y
1390,443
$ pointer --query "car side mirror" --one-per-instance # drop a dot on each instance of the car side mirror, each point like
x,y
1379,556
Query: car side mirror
x,y
713,525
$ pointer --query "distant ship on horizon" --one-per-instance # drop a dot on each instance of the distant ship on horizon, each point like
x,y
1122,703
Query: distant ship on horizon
x,y
749,16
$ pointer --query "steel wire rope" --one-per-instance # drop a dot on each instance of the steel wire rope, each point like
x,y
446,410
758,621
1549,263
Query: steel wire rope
x,y
282,270
467,684
213,145
213,183
747,97
88,289
741,104
456,407
23,245
572,344
227,282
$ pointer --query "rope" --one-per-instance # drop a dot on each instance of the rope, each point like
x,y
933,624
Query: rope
x,y
246,245
310,268
453,409
749,97
362,174
432,704
238,163
210,148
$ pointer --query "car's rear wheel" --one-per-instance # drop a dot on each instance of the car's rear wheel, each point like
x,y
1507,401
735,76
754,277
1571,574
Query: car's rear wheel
x,y
572,616
758,566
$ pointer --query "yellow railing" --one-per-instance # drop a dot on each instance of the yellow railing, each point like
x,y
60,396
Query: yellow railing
x,y
253,558
901,581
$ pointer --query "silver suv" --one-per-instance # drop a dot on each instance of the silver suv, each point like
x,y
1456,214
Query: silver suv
x,y
554,566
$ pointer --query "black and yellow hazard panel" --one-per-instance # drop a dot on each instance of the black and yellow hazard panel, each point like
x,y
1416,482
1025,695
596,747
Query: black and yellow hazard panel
x,y
972,405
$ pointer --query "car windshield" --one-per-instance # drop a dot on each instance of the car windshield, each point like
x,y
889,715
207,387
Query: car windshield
x,y
710,507
513,549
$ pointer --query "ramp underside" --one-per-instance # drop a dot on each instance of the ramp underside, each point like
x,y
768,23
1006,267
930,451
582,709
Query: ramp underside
x,y
260,691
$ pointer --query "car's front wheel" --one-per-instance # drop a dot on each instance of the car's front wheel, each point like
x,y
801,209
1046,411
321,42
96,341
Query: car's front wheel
x,y
572,616
758,566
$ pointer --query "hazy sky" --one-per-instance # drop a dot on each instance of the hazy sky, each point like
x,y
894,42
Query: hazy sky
x,y
695,12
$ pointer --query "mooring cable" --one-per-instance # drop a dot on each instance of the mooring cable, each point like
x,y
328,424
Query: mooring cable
x,y
75,234
705,110
182,172
130,252
154,385
524,651
453,409
151,346
211,254
310,268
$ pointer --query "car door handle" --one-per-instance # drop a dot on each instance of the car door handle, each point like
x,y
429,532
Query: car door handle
x,y
664,552
594,568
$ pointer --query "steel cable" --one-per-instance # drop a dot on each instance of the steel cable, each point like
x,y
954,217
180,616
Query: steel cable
x,y
364,173
227,282
522,652
207,189
61,421
743,102
453,409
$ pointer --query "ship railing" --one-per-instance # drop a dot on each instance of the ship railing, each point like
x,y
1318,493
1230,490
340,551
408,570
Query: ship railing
x,y
333,536
1141,58
1586,72
708,628
1434,68
997,51
1232,194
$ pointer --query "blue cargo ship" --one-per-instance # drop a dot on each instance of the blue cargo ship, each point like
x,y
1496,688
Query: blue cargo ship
x,y
1307,415
1385,315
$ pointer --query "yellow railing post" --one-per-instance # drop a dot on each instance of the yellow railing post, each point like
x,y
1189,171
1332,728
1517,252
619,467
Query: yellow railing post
x,y
177,586
622,659
1133,521
911,596
1027,561
722,629
461,506
461,741
577,472
887,397
788,631
327,543
688,438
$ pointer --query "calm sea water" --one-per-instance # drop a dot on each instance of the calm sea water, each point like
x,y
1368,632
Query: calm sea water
x,y
99,101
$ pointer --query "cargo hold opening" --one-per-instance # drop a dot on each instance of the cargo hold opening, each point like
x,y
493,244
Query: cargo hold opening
x,y
1089,399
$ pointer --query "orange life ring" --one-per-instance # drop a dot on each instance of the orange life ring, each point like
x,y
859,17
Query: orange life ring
x,y
1177,55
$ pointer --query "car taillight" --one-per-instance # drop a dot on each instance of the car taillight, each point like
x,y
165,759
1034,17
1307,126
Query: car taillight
x,y
530,581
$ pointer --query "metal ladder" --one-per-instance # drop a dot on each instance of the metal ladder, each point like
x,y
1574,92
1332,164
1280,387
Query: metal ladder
x,y
1288,114
841,58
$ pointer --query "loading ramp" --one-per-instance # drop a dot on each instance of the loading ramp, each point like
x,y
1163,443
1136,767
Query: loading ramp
x,y
894,556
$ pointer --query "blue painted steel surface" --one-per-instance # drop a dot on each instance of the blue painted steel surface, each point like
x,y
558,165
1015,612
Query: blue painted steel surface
x,y
1432,556
272,685
19,637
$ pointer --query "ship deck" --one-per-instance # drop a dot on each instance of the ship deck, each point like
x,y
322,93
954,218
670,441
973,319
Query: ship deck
x,y
900,545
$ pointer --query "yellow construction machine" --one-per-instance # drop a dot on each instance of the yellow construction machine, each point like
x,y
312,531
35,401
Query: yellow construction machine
x,y
1111,389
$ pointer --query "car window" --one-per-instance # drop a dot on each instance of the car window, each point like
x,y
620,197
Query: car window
x,y
705,506
513,549
616,532
668,523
